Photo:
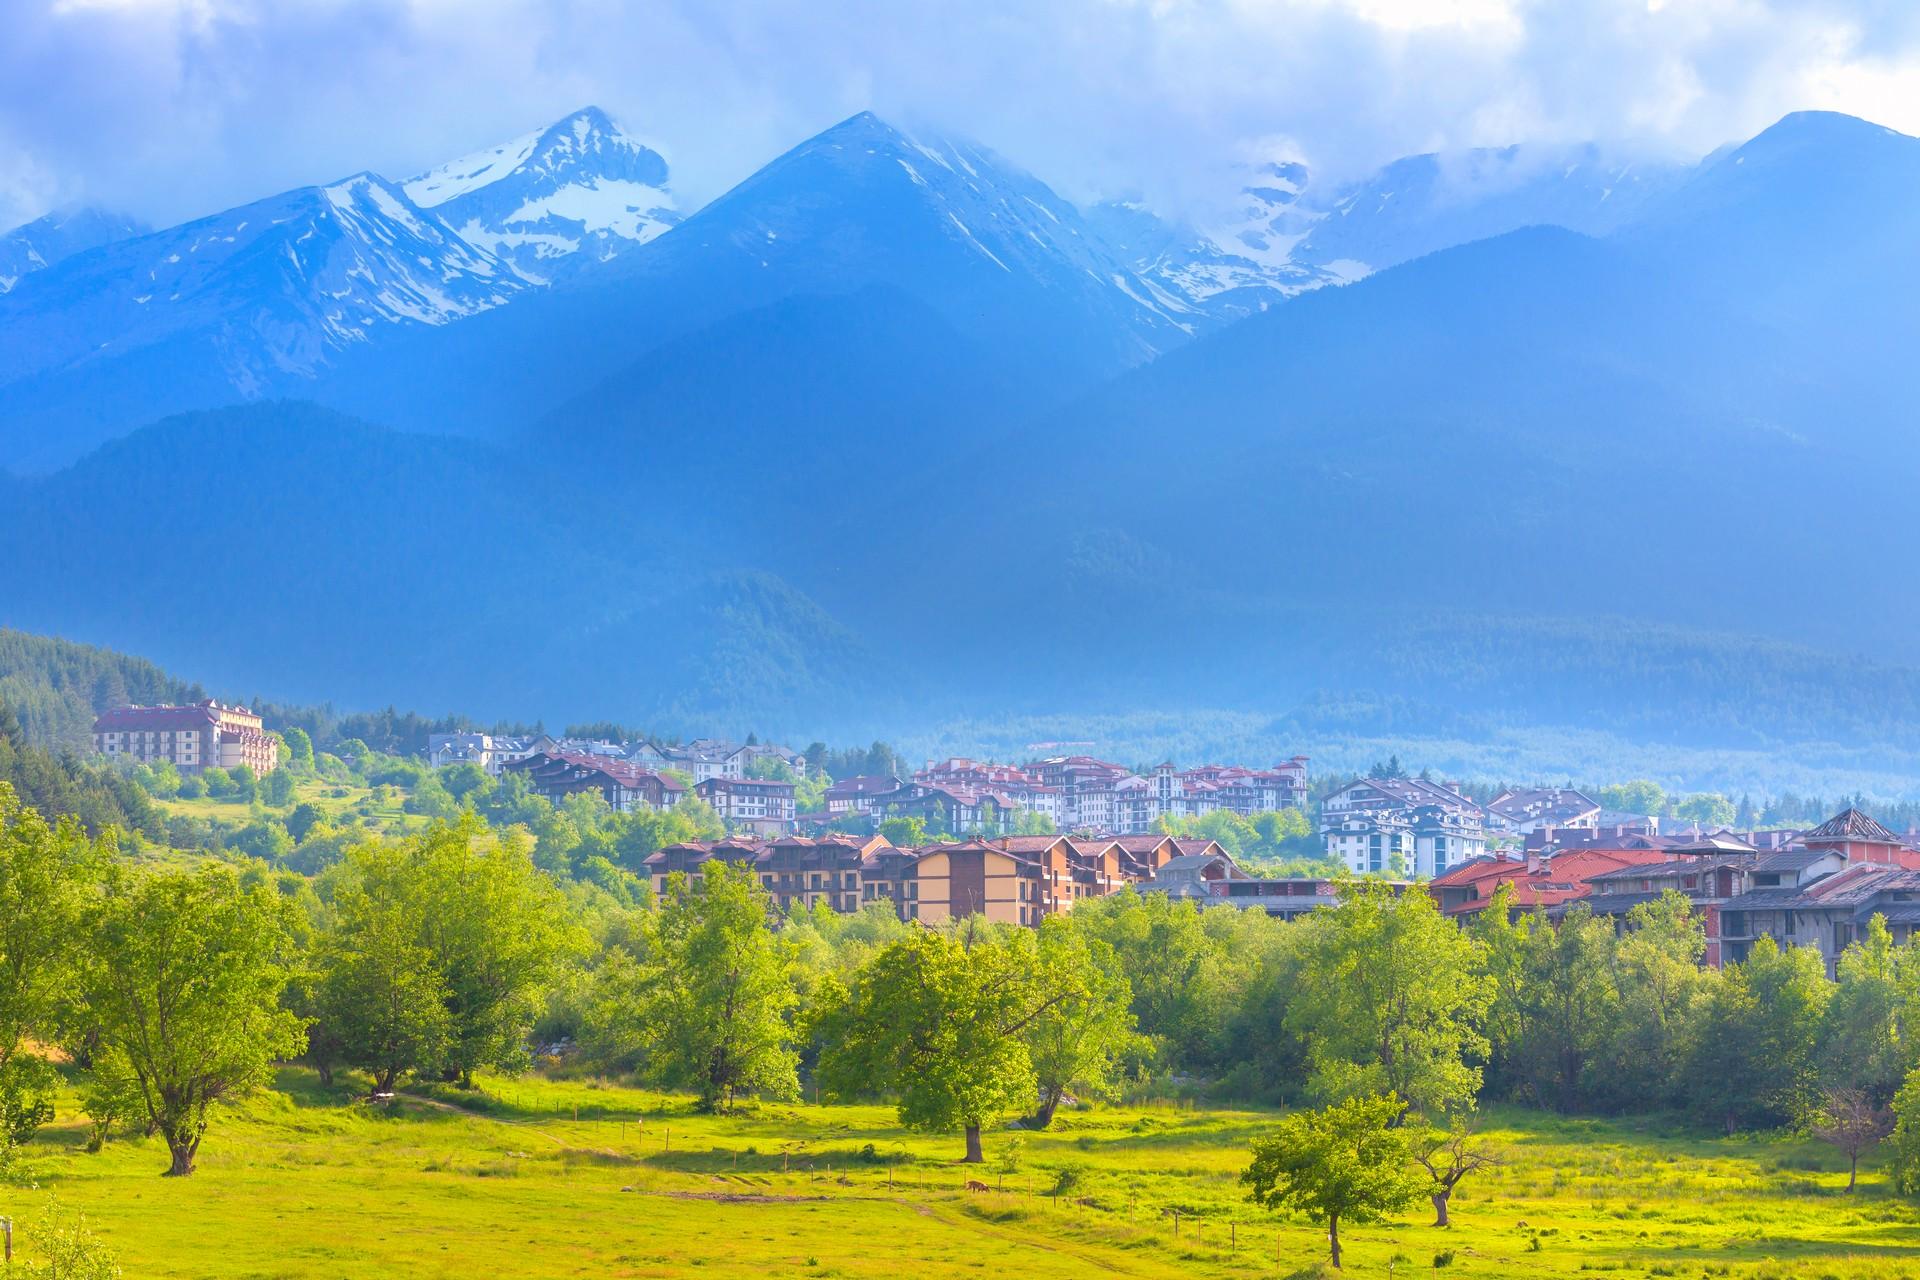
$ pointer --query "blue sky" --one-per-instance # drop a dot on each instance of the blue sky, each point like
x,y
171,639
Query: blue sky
x,y
173,108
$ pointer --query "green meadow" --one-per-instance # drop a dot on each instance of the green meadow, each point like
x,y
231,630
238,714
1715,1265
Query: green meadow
x,y
381,807
539,1177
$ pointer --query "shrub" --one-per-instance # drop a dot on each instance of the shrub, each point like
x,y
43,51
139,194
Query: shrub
x,y
66,1249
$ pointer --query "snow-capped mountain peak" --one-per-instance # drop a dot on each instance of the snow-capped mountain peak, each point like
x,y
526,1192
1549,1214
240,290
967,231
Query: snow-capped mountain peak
x,y
579,191
52,239
260,292
1220,278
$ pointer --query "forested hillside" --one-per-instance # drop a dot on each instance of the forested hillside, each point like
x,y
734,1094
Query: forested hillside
x,y
56,687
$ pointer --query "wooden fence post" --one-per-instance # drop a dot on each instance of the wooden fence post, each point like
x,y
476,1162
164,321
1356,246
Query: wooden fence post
x,y
6,1230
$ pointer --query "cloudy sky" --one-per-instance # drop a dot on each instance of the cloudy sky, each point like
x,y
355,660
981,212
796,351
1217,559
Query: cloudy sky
x,y
173,108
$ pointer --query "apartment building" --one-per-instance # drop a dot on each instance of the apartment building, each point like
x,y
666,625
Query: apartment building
x,y
191,738
750,806
625,787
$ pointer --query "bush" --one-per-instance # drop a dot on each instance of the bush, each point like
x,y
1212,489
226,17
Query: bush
x,y
65,1249
262,838
276,789
27,1089
1903,1157
192,788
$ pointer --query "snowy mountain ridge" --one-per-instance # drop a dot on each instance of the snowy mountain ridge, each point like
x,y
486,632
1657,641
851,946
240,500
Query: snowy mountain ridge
x,y
272,285
52,239
555,200
1283,232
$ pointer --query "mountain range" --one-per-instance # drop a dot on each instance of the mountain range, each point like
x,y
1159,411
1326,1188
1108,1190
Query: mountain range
x,y
1516,440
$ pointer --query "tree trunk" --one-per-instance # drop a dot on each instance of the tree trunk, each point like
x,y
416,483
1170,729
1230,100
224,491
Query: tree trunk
x,y
1333,1239
974,1154
1049,1103
1853,1171
1440,1218
182,1152
326,1073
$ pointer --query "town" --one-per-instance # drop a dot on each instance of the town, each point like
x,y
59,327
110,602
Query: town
x,y
1020,843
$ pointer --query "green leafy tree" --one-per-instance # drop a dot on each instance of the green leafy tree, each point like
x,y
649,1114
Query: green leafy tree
x,y
1176,971
1639,796
276,789
1903,1159
47,876
904,833
1391,1000
1030,822
1568,1008
939,1020
1663,992
1708,808
1344,1163
299,749
464,779
304,818
710,1006
1756,1056
1283,833
382,996
182,986
1863,1042
432,799
484,922
1077,1042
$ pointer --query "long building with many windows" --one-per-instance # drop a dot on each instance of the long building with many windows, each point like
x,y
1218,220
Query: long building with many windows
x,y
192,738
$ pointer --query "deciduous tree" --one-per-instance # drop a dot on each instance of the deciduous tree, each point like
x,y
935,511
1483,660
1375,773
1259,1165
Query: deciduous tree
x,y
1391,1000
1863,1041
1448,1155
442,946
1851,1121
1076,1042
1344,1163
47,874
710,1005
939,1020
1755,1059
182,984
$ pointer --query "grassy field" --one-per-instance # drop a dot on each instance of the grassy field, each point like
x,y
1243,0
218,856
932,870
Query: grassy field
x,y
579,1178
382,807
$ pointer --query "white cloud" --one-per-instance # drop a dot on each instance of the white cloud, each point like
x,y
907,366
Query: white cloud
x,y
178,107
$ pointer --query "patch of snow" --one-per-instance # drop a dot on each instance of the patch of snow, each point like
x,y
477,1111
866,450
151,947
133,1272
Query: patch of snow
x,y
975,242
471,172
630,210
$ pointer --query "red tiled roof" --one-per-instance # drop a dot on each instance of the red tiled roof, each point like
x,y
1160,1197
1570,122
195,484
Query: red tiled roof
x,y
1552,881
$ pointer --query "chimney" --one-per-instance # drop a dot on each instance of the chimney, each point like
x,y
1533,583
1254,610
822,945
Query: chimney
x,y
1534,863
